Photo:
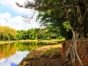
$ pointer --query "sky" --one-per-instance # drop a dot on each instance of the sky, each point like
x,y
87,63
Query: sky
x,y
11,15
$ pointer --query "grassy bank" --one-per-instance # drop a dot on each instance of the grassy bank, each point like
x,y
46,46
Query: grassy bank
x,y
42,56
48,41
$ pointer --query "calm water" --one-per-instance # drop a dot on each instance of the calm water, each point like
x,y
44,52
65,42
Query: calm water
x,y
12,54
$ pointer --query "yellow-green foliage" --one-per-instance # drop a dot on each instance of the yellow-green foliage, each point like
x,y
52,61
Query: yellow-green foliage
x,y
7,33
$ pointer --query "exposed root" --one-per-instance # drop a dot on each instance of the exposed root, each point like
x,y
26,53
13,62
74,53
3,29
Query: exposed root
x,y
72,51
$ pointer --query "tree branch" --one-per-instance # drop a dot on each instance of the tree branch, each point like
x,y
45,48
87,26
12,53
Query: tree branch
x,y
29,19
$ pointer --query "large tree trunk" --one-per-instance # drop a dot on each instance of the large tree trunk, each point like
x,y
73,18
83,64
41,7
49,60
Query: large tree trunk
x,y
72,51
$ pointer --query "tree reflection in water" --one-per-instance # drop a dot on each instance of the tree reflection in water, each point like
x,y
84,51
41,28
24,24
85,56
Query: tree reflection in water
x,y
9,49
6,50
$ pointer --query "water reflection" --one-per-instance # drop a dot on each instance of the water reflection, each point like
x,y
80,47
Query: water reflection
x,y
22,46
6,50
14,59
12,53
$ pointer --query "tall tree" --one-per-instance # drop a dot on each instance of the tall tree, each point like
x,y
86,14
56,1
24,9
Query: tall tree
x,y
73,15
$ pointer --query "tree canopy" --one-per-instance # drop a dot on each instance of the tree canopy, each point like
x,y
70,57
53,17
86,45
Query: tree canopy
x,y
72,13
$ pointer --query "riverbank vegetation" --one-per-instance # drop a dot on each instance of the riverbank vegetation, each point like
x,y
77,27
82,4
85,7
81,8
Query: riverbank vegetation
x,y
7,34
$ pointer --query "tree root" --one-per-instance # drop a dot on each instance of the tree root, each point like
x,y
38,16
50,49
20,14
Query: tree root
x,y
72,51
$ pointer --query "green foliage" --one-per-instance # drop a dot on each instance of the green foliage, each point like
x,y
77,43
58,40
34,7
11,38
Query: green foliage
x,y
50,32
45,33
67,25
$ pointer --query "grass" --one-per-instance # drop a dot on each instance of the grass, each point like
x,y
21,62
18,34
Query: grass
x,y
51,53
47,41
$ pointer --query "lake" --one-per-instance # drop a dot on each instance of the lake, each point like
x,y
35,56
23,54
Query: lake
x,y
11,54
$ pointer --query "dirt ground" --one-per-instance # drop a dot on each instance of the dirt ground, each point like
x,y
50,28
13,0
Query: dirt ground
x,y
38,58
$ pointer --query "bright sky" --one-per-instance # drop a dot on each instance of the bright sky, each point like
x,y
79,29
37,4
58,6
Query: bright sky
x,y
11,15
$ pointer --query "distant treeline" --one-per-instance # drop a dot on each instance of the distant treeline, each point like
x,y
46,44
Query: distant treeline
x,y
50,32
7,33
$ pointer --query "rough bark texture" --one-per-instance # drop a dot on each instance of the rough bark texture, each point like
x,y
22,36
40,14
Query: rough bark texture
x,y
82,49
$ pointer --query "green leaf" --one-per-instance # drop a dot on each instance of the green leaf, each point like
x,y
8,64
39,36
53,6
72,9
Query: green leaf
x,y
67,25
49,11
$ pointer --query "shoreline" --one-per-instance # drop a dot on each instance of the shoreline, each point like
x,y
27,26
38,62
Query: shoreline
x,y
38,53
51,41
